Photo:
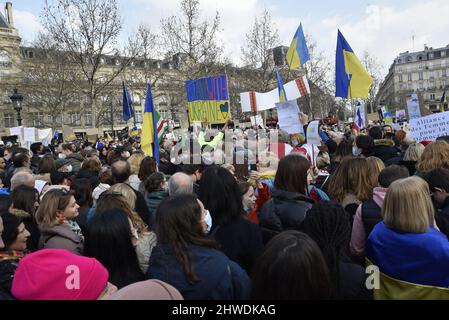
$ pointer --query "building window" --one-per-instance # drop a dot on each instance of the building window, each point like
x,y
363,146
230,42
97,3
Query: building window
x,y
9,120
432,96
138,116
75,118
444,73
421,86
409,77
400,78
37,119
421,75
88,118
50,119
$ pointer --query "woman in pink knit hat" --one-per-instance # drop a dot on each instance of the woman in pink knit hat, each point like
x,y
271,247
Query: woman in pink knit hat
x,y
57,274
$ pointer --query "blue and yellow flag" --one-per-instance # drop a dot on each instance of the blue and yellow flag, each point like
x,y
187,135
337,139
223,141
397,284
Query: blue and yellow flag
x,y
443,101
298,53
282,94
149,140
352,79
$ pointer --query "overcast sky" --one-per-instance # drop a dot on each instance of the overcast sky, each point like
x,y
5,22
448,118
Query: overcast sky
x,y
384,28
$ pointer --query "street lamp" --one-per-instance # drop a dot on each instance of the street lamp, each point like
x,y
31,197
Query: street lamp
x,y
17,99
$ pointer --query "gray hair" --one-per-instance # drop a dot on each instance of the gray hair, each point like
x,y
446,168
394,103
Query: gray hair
x,y
180,183
22,178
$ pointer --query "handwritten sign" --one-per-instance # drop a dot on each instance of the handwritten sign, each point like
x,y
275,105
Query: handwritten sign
x,y
431,127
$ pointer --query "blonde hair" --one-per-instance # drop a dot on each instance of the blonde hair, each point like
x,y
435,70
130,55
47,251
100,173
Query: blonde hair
x,y
126,191
435,156
229,167
414,152
408,207
53,201
375,167
134,161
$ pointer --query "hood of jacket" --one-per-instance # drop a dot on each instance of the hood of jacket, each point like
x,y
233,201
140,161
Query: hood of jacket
x,y
21,213
384,142
157,195
379,195
75,156
62,230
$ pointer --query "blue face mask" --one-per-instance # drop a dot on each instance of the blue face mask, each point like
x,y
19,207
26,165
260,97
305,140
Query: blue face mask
x,y
208,221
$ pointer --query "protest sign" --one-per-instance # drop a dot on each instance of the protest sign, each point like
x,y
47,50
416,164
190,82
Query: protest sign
x,y
401,115
313,136
431,127
413,108
208,99
257,121
288,117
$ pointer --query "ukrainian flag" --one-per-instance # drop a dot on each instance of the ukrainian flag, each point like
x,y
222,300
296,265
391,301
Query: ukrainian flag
x,y
298,53
282,94
352,79
149,139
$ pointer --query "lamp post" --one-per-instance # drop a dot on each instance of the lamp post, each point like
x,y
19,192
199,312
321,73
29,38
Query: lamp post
x,y
17,99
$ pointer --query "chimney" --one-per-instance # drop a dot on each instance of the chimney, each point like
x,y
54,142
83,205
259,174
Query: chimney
x,y
9,17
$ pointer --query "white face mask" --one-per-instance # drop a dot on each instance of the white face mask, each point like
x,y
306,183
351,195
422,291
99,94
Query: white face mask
x,y
69,168
127,155
355,151
208,222
61,156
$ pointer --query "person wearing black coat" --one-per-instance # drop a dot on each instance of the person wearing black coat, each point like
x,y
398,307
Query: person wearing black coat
x,y
438,180
329,226
384,149
289,205
285,211
239,239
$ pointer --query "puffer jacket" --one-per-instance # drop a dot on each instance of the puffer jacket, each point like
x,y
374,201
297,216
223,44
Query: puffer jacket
x,y
385,150
285,211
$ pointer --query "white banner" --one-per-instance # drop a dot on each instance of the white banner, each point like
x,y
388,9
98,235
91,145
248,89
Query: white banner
x,y
431,127
256,101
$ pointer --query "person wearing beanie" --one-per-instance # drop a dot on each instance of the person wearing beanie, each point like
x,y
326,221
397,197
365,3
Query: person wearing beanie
x,y
55,218
57,274
147,290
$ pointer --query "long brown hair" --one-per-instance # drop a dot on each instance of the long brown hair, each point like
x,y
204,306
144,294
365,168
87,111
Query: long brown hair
x,y
178,223
375,167
435,156
352,176
111,200
291,175
53,200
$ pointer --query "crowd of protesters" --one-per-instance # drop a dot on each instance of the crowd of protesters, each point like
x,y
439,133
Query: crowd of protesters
x,y
302,224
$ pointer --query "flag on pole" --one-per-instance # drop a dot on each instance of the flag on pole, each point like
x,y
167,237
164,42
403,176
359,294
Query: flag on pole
x,y
352,79
108,136
150,139
443,101
298,53
162,126
282,94
360,121
128,111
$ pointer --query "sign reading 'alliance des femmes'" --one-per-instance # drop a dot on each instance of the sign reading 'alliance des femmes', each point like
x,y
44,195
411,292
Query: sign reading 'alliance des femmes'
x,y
431,127
208,99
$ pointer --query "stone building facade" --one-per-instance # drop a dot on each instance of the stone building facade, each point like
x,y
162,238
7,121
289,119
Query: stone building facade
x,y
425,73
